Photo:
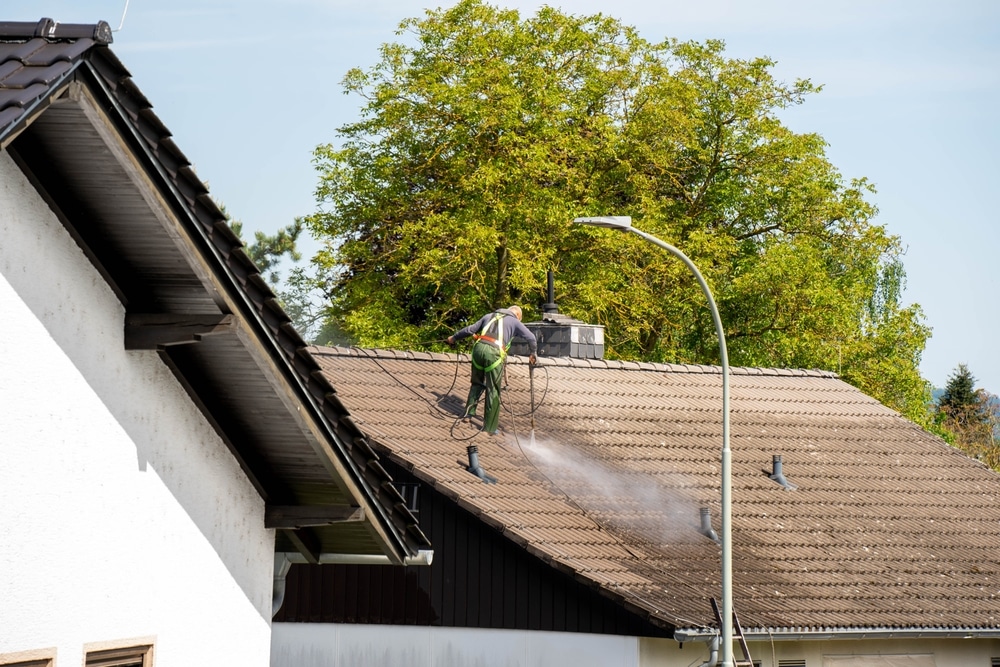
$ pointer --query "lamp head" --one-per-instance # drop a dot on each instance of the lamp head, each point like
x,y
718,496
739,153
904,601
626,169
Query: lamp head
x,y
610,221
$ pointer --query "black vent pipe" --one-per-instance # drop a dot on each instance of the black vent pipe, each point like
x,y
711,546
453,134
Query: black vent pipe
x,y
550,306
706,526
778,475
474,466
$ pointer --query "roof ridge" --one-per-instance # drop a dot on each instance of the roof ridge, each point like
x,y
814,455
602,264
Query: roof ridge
x,y
50,29
610,364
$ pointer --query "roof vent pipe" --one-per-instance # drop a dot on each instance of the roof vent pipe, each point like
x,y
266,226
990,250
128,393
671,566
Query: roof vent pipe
x,y
706,526
550,306
474,466
281,567
777,475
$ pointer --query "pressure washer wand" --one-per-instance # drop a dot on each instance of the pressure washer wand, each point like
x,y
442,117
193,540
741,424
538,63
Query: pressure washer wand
x,y
531,389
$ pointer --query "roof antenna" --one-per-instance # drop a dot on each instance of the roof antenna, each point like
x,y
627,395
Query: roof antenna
x,y
124,12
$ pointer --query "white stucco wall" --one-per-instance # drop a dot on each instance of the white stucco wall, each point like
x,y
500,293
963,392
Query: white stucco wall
x,y
122,514
341,645
333,645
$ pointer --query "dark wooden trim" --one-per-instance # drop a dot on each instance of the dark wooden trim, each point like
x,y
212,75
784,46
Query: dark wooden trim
x,y
192,378
154,331
306,543
291,517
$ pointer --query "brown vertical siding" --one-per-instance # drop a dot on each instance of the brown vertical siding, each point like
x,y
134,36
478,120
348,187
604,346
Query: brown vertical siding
x,y
478,579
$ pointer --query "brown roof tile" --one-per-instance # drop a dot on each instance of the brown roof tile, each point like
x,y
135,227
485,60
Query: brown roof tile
x,y
889,526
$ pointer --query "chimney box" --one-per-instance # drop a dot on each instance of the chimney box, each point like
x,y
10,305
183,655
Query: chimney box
x,y
562,336
559,335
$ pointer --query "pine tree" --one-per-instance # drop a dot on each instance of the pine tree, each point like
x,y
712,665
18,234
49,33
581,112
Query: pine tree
x,y
971,417
959,394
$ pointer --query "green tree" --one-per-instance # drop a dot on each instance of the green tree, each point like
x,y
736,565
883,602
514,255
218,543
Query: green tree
x,y
960,393
298,292
268,250
481,138
971,417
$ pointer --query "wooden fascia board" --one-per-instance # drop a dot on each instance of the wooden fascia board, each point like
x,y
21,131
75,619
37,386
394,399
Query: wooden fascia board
x,y
306,543
250,328
155,331
291,517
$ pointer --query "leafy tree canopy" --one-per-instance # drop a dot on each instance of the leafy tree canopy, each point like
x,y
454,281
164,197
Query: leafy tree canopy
x,y
483,134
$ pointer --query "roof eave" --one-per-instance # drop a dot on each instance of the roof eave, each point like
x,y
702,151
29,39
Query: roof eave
x,y
395,543
850,633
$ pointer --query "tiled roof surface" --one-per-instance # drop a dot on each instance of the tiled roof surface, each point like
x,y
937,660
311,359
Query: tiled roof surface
x,y
889,527
37,58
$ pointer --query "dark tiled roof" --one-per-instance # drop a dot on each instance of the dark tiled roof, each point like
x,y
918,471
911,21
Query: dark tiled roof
x,y
34,56
38,64
889,527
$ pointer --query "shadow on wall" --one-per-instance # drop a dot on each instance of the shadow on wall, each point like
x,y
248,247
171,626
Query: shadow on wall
x,y
67,295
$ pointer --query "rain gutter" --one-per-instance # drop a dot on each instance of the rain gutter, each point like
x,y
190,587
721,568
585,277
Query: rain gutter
x,y
856,633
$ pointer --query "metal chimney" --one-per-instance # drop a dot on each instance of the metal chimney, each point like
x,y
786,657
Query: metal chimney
x,y
550,306
559,335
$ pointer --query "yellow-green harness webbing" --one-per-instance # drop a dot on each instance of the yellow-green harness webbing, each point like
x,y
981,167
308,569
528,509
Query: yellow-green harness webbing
x,y
498,320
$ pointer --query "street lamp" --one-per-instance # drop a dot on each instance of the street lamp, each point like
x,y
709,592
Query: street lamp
x,y
624,223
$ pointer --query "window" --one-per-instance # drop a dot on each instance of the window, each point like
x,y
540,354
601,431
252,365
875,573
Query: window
x,y
410,496
902,660
39,658
792,663
131,656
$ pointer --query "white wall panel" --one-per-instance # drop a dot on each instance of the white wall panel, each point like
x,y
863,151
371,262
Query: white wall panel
x,y
332,645
122,513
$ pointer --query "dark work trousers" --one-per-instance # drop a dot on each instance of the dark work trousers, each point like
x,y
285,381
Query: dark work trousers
x,y
485,355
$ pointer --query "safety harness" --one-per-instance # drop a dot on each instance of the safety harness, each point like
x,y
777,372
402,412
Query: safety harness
x,y
498,341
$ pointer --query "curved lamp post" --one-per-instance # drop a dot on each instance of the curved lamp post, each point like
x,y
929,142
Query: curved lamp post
x,y
624,223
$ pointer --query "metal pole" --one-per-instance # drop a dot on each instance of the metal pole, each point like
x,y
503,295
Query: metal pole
x,y
727,487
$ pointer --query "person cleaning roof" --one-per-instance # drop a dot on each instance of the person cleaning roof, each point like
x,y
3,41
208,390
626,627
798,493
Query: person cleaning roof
x,y
493,334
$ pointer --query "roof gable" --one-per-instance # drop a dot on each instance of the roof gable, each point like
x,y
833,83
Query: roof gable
x,y
78,126
888,527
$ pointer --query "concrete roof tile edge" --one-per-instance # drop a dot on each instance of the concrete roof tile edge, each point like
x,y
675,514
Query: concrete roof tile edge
x,y
610,364
845,632
909,632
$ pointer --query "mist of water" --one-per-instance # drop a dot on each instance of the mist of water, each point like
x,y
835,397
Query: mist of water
x,y
659,508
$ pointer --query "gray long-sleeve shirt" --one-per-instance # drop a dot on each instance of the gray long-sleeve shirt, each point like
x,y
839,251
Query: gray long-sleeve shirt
x,y
511,327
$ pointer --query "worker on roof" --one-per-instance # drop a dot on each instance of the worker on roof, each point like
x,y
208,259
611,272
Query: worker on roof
x,y
492,333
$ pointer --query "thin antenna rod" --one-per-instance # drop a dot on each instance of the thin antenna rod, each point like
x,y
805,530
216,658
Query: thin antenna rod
x,y
124,12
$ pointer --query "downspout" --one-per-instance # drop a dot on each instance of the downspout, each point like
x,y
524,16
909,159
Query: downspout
x,y
713,653
713,640
281,567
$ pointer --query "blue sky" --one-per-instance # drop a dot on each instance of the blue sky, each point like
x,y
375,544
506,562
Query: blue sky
x,y
910,100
